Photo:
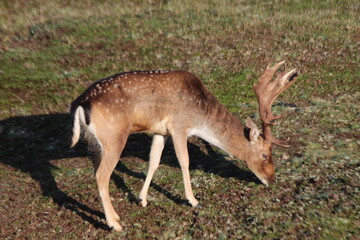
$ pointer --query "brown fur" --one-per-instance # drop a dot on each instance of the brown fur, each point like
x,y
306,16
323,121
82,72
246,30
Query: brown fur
x,y
166,103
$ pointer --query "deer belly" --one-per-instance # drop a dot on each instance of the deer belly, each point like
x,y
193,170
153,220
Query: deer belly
x,y
151,125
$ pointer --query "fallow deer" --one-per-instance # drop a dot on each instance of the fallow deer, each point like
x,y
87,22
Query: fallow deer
x,y
178,104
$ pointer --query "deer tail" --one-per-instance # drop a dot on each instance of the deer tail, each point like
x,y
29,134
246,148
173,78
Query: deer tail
x,y
79,118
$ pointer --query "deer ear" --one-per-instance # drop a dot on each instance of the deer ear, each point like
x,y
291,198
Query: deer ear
x,y
254,131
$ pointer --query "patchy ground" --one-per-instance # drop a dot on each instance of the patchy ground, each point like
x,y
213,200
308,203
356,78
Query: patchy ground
x,y
52,50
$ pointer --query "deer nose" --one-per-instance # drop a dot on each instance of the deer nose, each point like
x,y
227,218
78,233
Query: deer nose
x,y
271,178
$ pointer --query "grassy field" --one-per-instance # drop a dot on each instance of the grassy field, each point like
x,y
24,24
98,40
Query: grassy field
x,y
50,51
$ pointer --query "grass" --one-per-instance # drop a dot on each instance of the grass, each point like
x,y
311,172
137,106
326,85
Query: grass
x,y
52,50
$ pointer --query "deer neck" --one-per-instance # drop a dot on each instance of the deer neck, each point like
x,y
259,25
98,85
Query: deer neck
x,y
224,130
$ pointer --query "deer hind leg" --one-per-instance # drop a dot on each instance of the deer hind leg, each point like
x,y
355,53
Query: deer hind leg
x,y
112,148
180,144
155,155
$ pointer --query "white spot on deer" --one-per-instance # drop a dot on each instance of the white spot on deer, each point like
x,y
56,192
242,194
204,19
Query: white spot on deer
x,y
116,85
107,110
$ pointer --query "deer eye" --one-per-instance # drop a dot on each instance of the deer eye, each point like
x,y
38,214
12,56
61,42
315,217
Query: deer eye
x,y
265,156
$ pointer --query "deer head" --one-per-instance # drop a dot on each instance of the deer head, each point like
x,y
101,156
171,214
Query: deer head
x,y
267,90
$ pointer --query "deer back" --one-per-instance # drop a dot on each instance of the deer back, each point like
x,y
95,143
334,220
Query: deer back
x,y
148,100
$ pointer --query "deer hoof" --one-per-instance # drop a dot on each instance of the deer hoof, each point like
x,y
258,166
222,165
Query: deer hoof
x,y
194,203
116,227
143,202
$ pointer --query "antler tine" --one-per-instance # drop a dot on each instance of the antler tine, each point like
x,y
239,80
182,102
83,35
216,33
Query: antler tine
x,y
270,138
278,65
269,72
267,91
283,80
280,84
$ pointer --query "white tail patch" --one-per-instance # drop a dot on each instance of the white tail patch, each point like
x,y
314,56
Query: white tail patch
x,y
92,130
79,119
79,116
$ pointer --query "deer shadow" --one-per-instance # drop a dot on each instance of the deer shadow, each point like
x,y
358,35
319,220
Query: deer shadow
x,y
210,161
30,143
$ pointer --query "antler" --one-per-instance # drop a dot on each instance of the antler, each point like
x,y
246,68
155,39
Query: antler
x,y
267,91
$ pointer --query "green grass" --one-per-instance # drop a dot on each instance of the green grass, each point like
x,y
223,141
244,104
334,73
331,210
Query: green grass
x,y
50,51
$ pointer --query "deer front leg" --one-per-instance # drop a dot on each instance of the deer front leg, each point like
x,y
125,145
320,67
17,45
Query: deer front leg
x,y
180,144
110,157
155,156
